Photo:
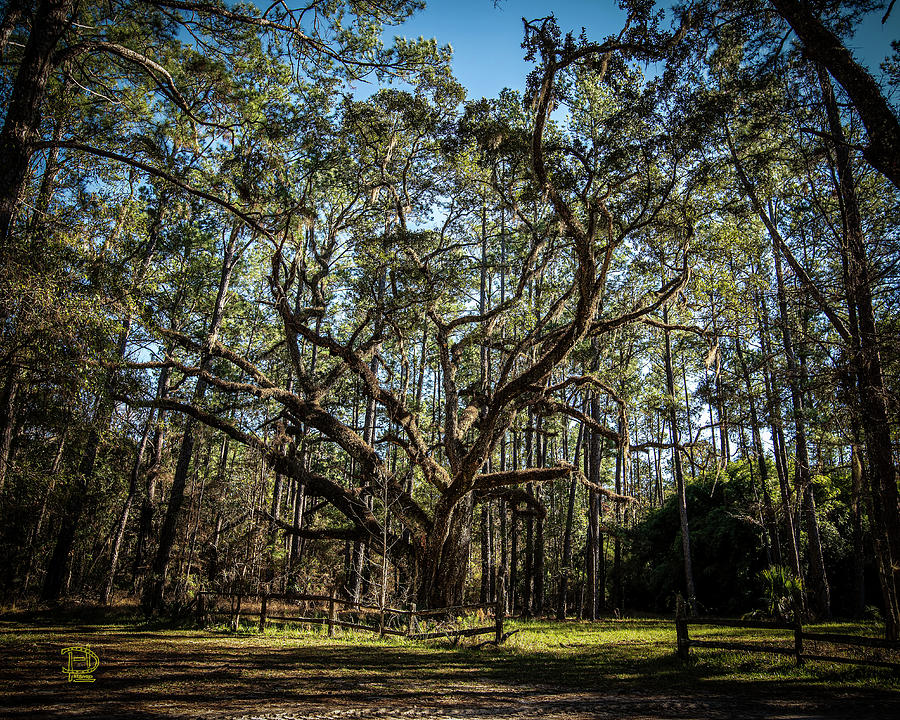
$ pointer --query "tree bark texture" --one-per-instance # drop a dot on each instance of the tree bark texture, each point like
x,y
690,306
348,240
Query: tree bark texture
x,y
49,23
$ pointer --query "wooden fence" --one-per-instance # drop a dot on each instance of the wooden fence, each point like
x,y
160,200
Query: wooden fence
x,y
388,621
798,649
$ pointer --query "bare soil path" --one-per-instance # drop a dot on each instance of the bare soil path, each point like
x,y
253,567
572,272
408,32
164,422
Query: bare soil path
x,y
193,674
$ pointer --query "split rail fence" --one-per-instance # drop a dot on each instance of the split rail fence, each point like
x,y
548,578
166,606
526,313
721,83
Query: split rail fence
x,y
802,638
335,612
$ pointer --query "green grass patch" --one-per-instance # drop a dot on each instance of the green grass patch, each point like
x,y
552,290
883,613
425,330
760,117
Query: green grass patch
x,y
582,654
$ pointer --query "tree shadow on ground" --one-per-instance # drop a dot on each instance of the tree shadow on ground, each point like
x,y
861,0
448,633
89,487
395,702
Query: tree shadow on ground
x,y
154,674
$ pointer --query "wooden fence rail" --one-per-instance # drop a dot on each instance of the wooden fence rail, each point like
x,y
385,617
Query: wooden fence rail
x,y
206,609
799,635
302,597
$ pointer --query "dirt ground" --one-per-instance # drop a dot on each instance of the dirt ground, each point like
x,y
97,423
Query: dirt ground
x,y
160,674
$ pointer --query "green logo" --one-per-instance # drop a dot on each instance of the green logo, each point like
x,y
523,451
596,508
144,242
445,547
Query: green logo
x,y
82,663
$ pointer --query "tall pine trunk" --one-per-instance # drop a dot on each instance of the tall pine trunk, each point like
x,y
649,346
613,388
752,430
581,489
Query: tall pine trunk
x,y
8,419
819,595
771,525
155,591
866,364
566,569
122,521
773,402
679,472
22,124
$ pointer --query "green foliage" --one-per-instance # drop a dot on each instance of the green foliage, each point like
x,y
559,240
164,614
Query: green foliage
x,y
782,592
728,551
372,228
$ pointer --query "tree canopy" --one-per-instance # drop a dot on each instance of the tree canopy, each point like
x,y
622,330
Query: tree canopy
x,y
628,333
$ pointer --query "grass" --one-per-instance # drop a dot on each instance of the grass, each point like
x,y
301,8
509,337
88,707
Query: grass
x,y
643,650
147,665
621,651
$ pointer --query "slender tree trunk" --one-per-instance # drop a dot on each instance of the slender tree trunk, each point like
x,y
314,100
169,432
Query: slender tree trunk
x,y
712,419
492,554
485,372
528,560
599,552
148,504
773,400
590,572
745,456
528,570
212,565
567,535
119,531
592,452
162,387
720,401
360,555
657,460
539,546
857,473
485,555
504,559
514,562
57,569
679,473
688,415
42,513
153,596
297,509
617,590
771,524
539,560
7,420
275,512
819,595
191,541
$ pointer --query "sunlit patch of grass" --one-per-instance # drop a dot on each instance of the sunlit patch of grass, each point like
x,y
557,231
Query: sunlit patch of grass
x,y
642,651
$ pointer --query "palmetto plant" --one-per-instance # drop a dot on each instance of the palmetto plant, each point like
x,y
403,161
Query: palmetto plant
x,y
781,591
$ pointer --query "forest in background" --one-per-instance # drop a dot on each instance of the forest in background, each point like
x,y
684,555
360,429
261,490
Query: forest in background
x,y
630,333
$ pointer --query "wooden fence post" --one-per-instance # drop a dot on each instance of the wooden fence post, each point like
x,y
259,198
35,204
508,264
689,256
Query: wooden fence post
x,y
262,613
500,609
331,613
798,634
682,638
411,620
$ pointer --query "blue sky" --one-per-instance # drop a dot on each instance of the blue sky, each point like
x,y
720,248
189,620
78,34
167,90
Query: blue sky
x,y
486,40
